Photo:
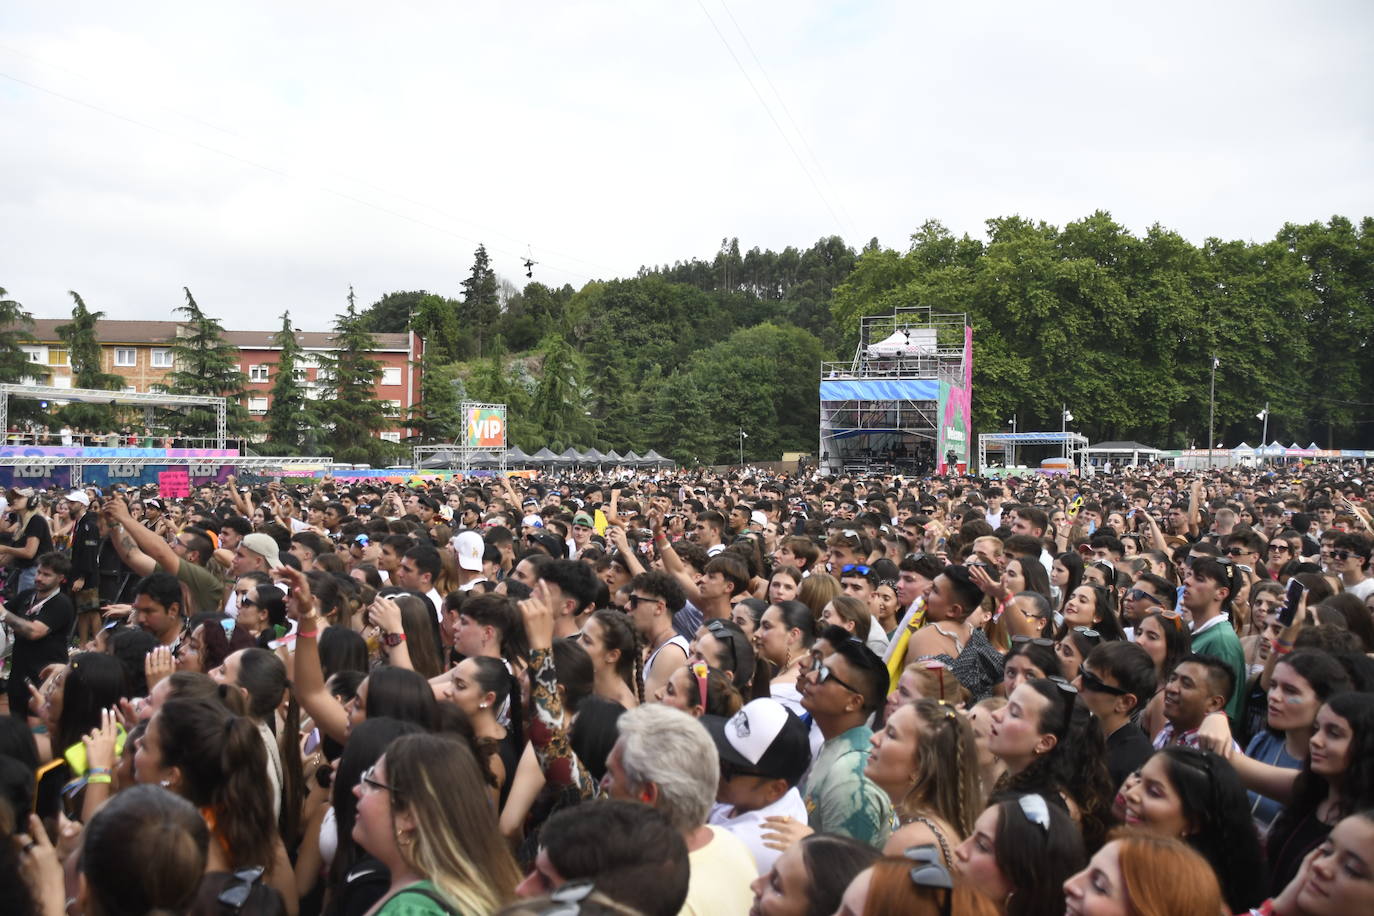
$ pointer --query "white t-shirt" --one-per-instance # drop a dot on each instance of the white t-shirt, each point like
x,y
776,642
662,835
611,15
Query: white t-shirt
x,y
1361,590
749,826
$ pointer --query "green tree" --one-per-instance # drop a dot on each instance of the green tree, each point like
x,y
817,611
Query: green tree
x,y
481,305
16,325
350,406
438,417
85,356
206,366
559,413
291,419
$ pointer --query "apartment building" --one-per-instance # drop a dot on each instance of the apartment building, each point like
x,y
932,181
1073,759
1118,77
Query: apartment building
x,y
140,352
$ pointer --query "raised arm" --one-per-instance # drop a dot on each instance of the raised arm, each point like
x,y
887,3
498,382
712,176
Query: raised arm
x,y
329,714
149,544
545,723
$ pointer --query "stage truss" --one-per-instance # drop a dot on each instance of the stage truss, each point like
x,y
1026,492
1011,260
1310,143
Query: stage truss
x,y
146,400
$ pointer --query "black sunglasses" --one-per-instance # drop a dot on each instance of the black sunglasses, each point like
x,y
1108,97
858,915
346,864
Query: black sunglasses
x,y
633,601
1034,640
823,674
723,633
1097,685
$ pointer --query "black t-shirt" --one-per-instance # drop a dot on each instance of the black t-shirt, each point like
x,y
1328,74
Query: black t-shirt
x,y
33,655
1127,750
37,527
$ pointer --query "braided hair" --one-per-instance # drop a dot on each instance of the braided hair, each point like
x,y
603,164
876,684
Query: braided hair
x,y
618,634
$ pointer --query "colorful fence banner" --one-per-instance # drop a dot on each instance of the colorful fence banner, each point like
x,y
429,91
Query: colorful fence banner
x,y
72,451
955,412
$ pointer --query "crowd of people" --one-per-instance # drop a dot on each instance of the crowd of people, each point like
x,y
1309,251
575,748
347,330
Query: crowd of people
x,y
1141,694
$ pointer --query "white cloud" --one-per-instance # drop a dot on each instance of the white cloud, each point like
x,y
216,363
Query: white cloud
x,y
268,155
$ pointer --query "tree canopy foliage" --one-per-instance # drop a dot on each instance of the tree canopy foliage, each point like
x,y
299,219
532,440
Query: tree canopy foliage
x,y
1119,326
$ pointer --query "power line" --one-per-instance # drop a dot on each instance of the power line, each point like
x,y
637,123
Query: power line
x,y
292,177
769,111
788,112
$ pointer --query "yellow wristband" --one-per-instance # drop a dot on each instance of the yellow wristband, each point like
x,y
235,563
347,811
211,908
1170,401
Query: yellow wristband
x,y
98,778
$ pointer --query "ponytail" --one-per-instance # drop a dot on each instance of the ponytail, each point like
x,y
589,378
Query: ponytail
x,y
243,813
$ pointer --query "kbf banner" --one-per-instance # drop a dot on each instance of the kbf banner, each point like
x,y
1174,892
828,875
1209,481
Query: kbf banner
x,y
486,427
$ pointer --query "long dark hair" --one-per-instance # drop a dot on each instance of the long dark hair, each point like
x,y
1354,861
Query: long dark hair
x,y
263,675
1357,787
1104,605
94,682
1216,807
222,762
1178,641
401,694
831,862
1076,765
1074,564
1034,859
367,742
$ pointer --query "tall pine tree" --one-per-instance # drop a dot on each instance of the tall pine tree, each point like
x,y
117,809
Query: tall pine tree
x,y
291,418
350,405
206,366
481,305
15,327
85,356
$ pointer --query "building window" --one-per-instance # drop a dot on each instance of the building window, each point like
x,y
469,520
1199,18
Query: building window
x,y
390,437
126,356
257,373
257,406
131,389
391,408
57,356
299,375
33,354
162,359
391,375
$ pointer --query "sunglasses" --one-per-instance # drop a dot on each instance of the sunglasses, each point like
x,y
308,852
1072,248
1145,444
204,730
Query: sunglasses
x,y
1138,594
1088,632
371,783
854,568
824,674
633,601
1034,640
1173,615
1280,548
1236,551
1095,684
724,634
1063,685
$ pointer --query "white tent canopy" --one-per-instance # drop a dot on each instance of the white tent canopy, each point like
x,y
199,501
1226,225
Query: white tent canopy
x,y
911,342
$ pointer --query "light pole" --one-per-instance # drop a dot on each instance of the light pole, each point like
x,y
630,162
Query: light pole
x,y
1064,429
1264,433
1010,453
1212,411
742,436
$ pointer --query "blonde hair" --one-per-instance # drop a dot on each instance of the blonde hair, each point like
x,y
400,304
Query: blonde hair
x,y
457,844
816,591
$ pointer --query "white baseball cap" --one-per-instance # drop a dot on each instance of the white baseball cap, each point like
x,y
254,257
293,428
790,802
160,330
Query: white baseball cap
x,y
469,547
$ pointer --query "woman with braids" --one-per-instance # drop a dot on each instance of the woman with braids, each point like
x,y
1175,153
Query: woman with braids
x,y
1053,746
216,760
925,758
438,838
610,641
481,687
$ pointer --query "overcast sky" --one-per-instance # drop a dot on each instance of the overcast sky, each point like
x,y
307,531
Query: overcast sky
x,y
267,155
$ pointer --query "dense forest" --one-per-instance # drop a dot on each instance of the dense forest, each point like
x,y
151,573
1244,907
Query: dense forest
x,y
1120,327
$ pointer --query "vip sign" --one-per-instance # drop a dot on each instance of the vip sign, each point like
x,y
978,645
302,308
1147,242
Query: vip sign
x,y
486,427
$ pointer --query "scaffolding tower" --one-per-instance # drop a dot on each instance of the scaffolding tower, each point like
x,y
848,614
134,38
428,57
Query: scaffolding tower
x,y
901,403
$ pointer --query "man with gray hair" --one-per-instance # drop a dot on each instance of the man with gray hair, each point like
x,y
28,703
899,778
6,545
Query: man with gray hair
x,y
667,759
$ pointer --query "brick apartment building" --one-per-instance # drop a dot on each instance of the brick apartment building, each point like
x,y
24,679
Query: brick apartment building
x,y
140,353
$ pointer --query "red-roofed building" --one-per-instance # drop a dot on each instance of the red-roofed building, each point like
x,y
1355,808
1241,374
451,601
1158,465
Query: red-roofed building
x,y
140,353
